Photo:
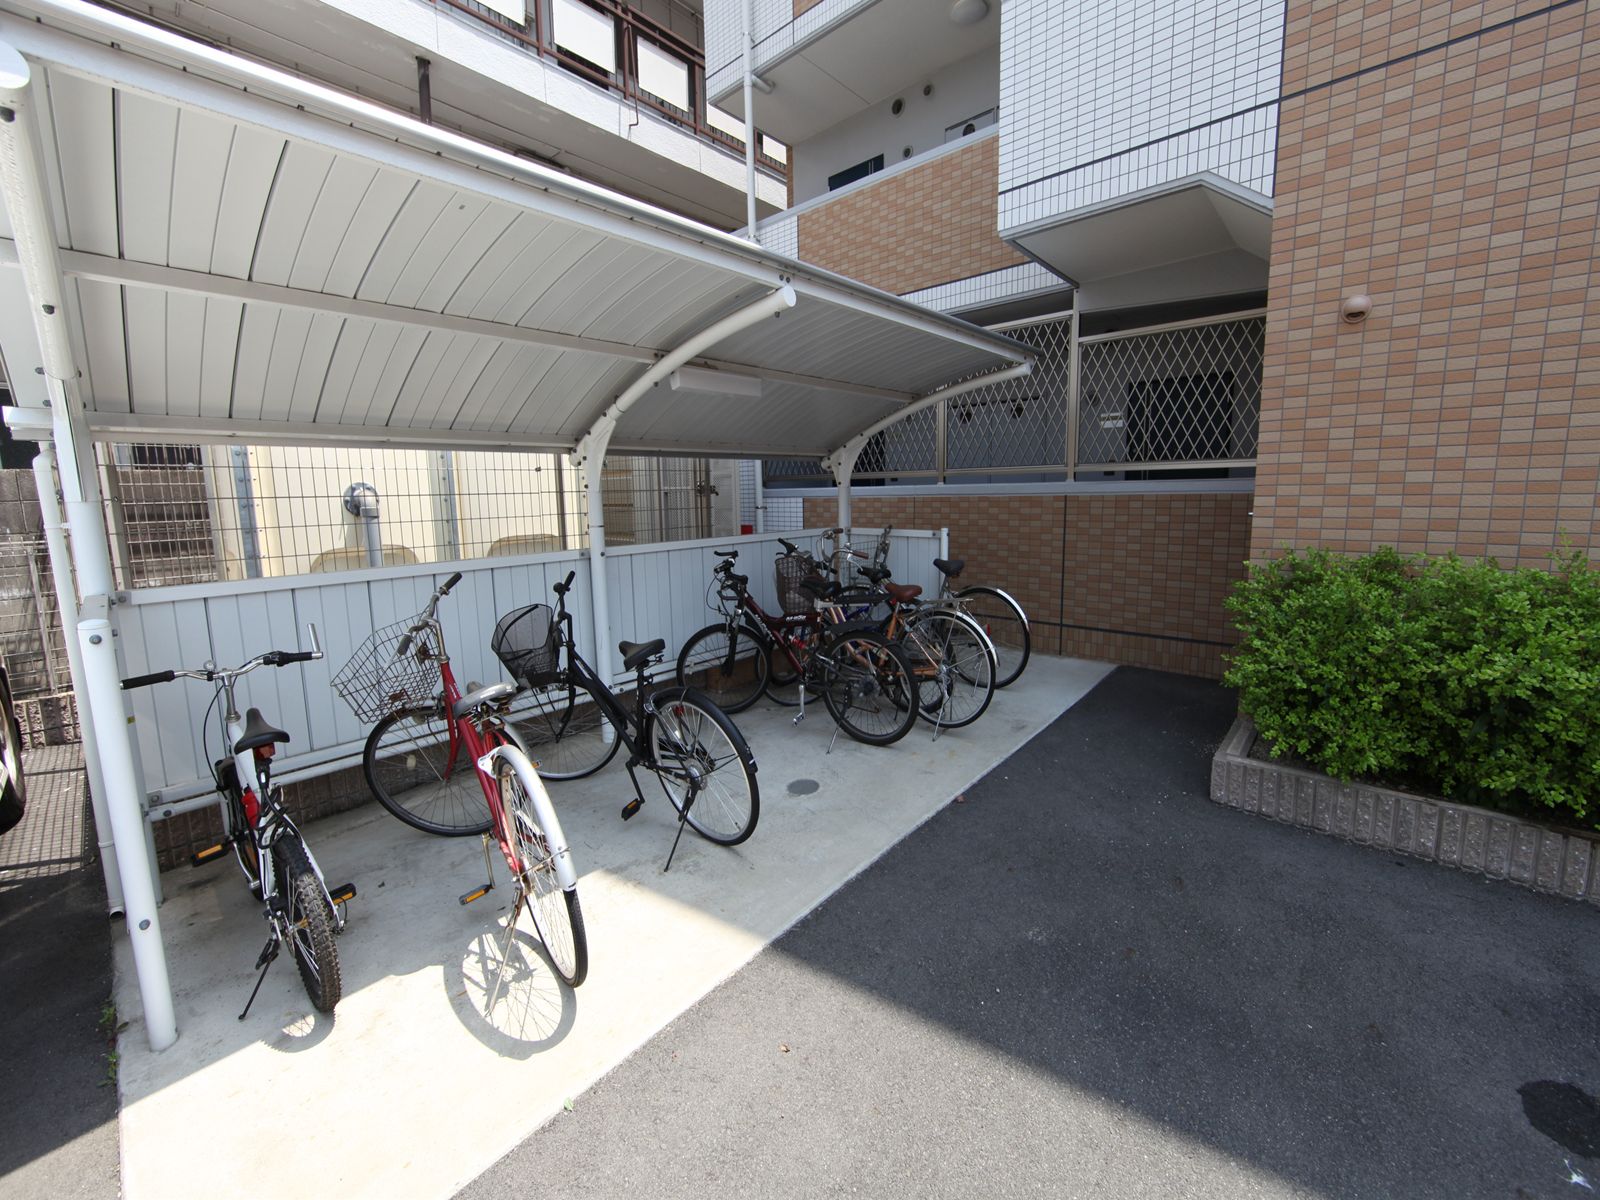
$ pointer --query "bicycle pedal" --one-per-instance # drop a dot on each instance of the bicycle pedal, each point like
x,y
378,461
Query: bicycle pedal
x,y
210,854
342,893
477,893
631,807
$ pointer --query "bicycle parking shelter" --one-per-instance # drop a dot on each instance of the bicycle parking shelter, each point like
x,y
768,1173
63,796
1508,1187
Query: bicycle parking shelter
x,y
200,247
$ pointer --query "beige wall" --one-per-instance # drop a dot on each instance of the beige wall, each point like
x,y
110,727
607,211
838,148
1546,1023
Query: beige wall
x,y
1133,579
927,225
1457,188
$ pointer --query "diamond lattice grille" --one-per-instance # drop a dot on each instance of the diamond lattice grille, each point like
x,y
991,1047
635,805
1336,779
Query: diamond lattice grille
x,y
1186,396
1022,422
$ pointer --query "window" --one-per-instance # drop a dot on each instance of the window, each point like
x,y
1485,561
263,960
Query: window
x,y
860,171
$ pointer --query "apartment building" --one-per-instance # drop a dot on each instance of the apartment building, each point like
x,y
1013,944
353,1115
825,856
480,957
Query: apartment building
x,y
1301,273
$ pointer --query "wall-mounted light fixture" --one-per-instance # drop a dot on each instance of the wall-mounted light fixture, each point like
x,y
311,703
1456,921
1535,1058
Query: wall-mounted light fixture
x,y
1354,309
719,383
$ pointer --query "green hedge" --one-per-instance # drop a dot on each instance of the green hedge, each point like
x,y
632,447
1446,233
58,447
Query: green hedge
x,y
1450,677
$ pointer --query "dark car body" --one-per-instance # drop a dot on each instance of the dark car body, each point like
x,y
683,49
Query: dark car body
x,y
13,796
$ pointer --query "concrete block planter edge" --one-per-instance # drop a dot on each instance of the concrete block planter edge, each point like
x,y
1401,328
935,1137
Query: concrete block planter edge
x,y
1492,844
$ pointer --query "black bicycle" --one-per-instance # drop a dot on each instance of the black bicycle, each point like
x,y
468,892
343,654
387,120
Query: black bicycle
x,y
577,723
302,911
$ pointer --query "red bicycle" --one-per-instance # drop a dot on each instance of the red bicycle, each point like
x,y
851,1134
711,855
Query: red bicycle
x,y
447,763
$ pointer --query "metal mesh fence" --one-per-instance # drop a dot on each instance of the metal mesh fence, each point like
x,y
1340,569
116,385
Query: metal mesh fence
x,y
1187,395
188,514
31,641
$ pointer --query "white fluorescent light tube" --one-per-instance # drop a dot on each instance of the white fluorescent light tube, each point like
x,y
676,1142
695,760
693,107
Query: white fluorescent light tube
x,y
722,383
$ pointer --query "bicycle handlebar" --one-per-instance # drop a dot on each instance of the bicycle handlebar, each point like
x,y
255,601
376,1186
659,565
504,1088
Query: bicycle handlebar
x,y
139,681
272,658
562,588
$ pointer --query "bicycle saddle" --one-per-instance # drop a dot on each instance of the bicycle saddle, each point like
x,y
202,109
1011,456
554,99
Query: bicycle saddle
x,y
822,589
950,566
257,733
876,574
901,592
484,695
730,555
636,654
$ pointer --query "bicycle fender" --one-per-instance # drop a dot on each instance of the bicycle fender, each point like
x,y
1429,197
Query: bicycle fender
x,y
667,695
542,807
857,625
1009,597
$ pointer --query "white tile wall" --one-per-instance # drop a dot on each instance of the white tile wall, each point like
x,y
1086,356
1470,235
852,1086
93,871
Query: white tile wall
x,y
1107,97
780,234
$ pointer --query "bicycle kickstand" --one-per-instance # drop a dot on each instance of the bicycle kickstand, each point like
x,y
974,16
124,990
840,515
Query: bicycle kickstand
x,y
268,953
488,876
683,817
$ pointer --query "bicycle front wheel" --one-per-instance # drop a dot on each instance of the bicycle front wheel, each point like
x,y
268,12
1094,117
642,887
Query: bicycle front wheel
x,y
1002,618
868,686
961,663
727,663
420,772
566,733
705,768
310,922
557,916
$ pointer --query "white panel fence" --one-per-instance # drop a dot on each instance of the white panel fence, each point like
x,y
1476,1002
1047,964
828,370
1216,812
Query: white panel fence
x,y
655,591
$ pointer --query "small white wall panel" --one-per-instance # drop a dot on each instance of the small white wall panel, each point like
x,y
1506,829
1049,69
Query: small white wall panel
x,y
585,32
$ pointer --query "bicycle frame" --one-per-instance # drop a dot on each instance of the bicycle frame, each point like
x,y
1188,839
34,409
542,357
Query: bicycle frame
x,y
485,749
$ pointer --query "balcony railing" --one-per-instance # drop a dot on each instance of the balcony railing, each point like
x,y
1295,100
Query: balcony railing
x,y
629,54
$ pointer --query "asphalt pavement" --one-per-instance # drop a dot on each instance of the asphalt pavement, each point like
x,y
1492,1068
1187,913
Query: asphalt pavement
x,y
58,1095
1083,978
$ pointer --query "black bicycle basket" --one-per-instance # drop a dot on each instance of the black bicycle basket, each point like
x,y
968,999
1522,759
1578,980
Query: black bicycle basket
x,y
526,641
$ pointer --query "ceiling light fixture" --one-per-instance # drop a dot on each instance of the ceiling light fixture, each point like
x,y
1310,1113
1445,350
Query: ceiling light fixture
x,y
969,12
718,383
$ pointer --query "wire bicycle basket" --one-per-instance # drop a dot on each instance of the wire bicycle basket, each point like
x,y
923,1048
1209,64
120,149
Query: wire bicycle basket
x,y
527,641
791,569
393,669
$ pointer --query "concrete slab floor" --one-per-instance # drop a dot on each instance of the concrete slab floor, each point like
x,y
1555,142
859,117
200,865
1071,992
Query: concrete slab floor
x,y
417,1085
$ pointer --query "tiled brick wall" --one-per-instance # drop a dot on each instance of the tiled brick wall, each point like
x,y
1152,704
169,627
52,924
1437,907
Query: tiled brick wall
x,y
917,228
1135,579
1458,188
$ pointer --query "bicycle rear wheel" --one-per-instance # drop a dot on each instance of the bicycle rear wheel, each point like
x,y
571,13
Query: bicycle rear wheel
x,y
868,687
730,669
421,773
310,922
1002,618
565,731
557,916
705,768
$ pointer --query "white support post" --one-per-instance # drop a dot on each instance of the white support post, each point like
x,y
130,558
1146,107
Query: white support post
x,y
750,119
590,453
44,478
760,498
844,466
27,202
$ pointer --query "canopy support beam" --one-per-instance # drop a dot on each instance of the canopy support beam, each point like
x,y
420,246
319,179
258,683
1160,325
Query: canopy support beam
x,y
55,536
590,453
27,202
842,462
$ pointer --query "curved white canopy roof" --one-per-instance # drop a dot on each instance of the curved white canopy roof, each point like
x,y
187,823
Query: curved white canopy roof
x,y
252,256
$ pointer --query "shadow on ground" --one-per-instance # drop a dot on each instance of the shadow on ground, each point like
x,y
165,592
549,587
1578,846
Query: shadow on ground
x,y
1085,979
58,1100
